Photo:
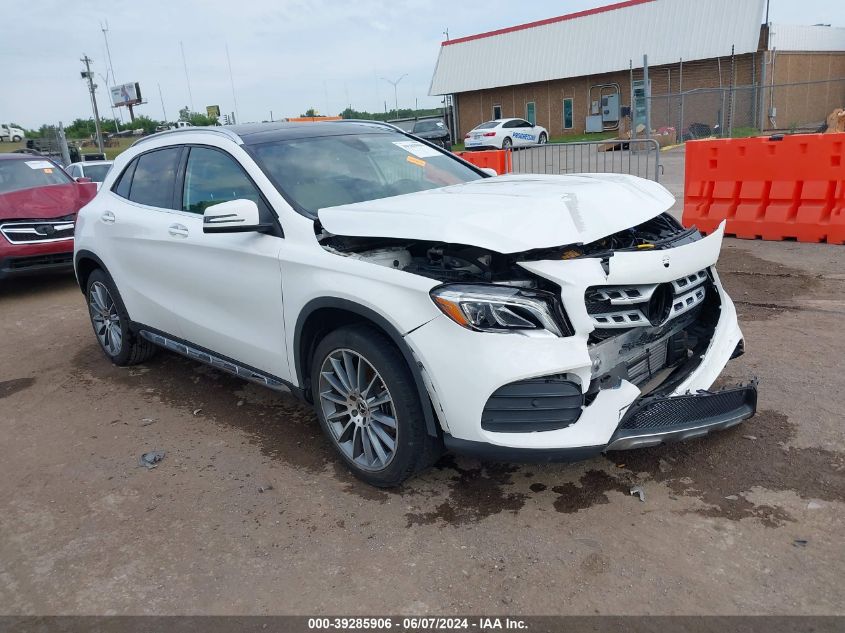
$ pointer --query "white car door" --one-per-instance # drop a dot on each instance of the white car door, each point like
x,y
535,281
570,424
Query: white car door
x,y
133,221
525,133
229,285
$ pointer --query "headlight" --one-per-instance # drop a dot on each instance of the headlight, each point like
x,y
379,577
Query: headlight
x,y
493,308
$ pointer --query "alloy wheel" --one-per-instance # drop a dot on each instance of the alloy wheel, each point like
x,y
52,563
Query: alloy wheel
x,y
105,318
358,409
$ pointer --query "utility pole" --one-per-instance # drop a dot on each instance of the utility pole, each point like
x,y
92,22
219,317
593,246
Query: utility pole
x,y
87,74
105,30
395,91
231,81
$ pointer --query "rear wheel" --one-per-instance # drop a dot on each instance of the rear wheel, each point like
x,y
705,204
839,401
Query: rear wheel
x,y
543,138
16,139
369,408
111,323
507,143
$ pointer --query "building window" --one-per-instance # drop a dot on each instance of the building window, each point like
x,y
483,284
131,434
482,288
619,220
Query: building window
x,y
530,115
567,114
497,112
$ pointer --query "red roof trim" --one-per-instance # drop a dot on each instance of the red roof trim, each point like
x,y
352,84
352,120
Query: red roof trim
x,y
560,18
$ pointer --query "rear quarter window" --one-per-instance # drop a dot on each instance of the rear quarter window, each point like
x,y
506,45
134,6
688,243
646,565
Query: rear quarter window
x,y
154,178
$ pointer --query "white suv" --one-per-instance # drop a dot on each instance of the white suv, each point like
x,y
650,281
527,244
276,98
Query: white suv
x,y
416,301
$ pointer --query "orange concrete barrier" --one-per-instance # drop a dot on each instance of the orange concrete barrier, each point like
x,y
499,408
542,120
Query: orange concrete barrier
x,y
500,160
792,188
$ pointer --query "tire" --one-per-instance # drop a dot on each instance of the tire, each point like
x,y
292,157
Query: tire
x,y
507,143
543,138
110,322
374,421
17,139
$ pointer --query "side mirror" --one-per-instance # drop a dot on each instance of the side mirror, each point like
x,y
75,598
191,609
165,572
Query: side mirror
x,y
235,216
83,179
489,171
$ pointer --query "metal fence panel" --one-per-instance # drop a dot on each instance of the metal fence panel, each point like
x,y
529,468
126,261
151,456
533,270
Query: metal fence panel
x,y
638,157
746,110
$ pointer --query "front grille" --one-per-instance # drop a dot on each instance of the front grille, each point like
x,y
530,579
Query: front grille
x,y
38,231
38,261
536,404
679,410
644,305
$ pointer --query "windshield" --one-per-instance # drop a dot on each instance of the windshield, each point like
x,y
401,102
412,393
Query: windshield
x,y
327,171
97,173
487,126
26,174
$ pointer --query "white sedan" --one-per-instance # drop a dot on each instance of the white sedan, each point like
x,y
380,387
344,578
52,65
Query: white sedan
x,y
505,134
96,170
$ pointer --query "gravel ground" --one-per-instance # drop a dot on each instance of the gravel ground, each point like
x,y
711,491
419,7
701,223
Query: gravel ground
x,y
249,512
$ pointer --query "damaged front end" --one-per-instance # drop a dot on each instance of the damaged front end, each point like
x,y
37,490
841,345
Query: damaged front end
x,y
641,322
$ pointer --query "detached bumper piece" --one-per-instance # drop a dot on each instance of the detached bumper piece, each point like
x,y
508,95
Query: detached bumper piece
x,y
660,419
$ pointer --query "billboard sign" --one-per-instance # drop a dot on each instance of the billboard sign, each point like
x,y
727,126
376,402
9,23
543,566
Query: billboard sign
x,y
213,112
126,94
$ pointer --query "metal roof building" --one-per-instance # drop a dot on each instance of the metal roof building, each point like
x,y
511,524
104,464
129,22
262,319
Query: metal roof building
x,y
599,41
709,61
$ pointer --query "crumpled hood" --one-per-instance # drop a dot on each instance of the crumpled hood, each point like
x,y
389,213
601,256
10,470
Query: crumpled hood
x,y
508,214
53,201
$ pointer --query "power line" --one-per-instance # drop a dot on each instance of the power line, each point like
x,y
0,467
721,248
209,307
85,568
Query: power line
x,y
232,81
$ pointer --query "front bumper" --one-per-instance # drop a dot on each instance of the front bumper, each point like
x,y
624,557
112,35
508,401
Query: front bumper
x,y
20,260
649,422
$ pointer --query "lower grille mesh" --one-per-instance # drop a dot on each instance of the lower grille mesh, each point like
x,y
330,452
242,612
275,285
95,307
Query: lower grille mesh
x,y
667,412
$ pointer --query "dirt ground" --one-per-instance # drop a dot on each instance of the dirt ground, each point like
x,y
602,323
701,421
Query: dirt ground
x,y
249,513
746,521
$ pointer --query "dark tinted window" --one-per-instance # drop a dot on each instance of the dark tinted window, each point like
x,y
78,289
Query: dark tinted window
x,y
429,126
155,177
212,177
488,125
510,124
97,173
123,183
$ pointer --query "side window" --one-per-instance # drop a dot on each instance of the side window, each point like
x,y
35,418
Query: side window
x,y
74,171
524,124
155,178
212,177
510,124
123,184
497,112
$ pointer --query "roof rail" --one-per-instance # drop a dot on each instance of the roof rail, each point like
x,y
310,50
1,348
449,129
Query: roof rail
x,y
194,128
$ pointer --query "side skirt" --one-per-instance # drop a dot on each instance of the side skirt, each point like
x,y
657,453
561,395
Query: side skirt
x,y
218,362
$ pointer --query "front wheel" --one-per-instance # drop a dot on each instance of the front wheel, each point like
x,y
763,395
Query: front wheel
x,y
507,143
16,139
111,323
369,407
543,138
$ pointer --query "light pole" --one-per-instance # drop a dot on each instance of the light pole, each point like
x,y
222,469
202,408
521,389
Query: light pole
x,y
395,91
87,74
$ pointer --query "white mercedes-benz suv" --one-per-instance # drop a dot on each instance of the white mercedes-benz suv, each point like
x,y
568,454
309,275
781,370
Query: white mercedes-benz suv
x,y
417,302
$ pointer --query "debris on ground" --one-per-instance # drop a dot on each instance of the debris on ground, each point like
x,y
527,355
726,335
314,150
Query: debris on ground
x,y
265,487
150,460
732,498
750,437
197,411
147,421
799,542
638,490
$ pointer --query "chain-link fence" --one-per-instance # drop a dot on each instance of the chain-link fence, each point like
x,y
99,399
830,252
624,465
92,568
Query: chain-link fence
x,y
746,110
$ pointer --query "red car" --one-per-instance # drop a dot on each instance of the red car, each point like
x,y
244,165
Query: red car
x,y
38,206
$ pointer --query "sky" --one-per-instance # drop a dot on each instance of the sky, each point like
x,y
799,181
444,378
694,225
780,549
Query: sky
x,y
286,55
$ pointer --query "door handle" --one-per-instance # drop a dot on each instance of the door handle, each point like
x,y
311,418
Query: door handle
x,y
178,230
107,217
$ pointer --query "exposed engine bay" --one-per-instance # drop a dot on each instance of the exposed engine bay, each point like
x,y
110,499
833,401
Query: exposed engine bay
x,y
461,263
648,334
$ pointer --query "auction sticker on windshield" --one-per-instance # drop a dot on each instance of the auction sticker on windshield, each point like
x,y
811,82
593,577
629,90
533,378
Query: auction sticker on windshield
x,y
417,149
39,164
